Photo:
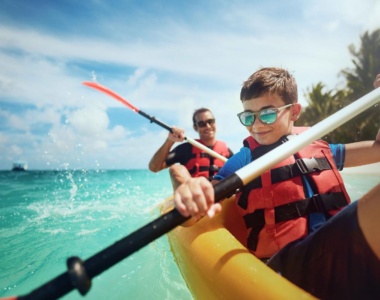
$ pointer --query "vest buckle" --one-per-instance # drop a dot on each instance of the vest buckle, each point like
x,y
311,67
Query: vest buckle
x,y
308,165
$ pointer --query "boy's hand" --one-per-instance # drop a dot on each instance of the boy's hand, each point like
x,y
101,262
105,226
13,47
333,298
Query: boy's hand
x,y
195,198
376,83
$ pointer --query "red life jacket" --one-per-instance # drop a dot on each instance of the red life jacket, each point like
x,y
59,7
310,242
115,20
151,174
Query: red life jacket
x,y
274,206
203,164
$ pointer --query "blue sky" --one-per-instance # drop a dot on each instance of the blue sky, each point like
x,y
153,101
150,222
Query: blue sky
x,y
166,57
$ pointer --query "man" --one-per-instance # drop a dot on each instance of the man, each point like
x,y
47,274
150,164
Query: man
x,y
196,161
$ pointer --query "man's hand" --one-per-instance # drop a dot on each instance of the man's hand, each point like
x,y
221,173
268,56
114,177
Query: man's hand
x,y
178,134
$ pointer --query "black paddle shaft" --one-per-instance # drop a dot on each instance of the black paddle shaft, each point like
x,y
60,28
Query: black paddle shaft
x,y
154,120
80,273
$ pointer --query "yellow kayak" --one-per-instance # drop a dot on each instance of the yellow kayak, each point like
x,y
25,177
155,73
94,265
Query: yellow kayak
x,y
216,265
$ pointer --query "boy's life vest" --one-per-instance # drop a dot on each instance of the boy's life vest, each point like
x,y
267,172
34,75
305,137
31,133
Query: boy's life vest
x,y
203,164
274,206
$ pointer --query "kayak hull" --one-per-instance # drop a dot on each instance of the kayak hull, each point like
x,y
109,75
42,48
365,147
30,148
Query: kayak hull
x,y
216,265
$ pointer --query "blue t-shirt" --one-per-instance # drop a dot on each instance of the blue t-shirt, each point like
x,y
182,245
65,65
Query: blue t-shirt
x,y
243,158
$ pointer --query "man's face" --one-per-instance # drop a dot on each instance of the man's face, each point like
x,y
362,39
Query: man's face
x,y
205,130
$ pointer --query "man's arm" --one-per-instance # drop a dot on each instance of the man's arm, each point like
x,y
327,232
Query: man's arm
x,y
158,161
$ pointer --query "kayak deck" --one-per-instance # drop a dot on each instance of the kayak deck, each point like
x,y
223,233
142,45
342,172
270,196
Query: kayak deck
x,y
216,265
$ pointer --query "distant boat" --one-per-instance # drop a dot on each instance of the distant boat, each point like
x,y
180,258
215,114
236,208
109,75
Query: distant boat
x,y
20,166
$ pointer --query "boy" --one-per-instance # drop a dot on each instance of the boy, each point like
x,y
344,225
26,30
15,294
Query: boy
x,y
288,210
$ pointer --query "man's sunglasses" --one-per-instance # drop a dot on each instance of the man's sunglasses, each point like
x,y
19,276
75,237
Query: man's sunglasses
x,y
266,116
202,124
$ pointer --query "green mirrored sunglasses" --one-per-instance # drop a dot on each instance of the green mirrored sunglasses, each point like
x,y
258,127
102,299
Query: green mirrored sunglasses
x,y
266,116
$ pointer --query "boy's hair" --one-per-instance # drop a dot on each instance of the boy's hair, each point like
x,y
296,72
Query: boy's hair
x,y
270,81
199,111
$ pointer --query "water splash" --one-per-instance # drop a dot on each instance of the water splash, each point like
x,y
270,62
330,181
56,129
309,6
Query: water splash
x,y
73,190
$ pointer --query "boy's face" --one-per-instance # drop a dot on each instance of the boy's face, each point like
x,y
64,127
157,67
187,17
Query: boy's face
x,y
267,134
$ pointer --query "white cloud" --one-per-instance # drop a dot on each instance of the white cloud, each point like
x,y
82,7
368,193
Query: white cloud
x,y
133,79
89,121
16,150
18,123
348,12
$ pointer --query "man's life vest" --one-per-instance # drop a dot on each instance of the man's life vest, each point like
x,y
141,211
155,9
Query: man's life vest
x,y
203,164
274,206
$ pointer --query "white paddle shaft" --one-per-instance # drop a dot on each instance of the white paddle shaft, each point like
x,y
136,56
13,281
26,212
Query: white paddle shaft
x,y
206,149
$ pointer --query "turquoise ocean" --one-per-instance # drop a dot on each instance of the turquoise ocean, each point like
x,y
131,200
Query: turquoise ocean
x,y
48,216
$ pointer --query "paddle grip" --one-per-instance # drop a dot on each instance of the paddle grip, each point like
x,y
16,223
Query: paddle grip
x,y
227,187
154,120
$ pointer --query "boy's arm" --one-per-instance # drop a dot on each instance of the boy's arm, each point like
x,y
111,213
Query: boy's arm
x,y
363,153
178,175
376,84
195,197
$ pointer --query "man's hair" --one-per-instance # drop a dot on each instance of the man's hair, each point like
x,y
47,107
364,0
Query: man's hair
x,y
199,111
270,81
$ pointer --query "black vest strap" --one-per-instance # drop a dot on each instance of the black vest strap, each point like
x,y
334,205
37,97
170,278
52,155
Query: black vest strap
x,y
201,154
212,169
193,170
255,221
204,168
318,203
301,166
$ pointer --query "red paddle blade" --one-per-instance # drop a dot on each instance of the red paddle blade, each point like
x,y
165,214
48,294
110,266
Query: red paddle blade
x,y
110,93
